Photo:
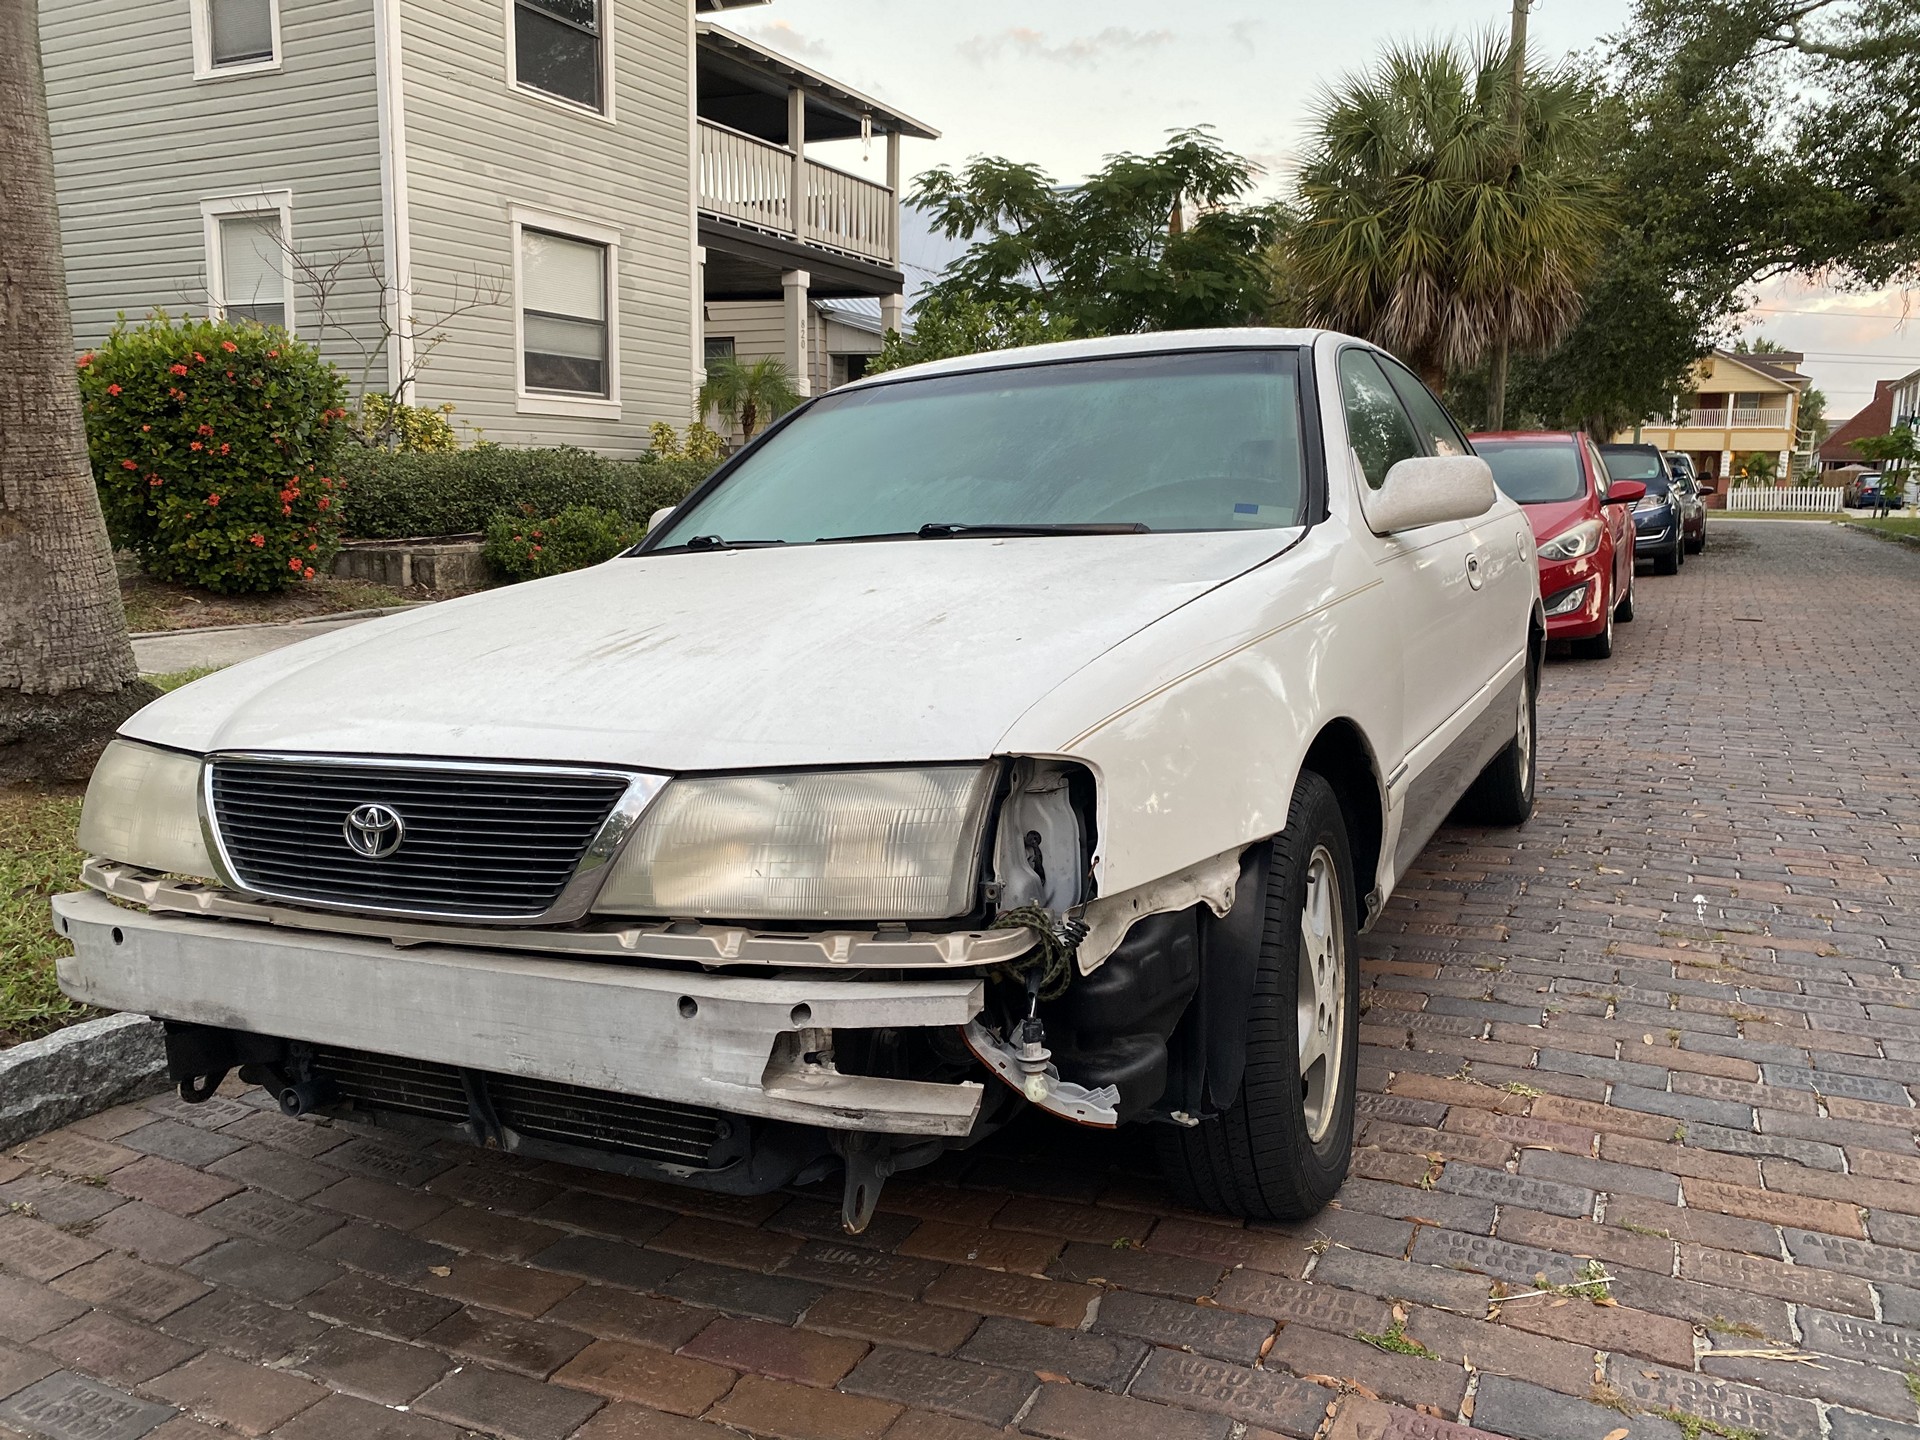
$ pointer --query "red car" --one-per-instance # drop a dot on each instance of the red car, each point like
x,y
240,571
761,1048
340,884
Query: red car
x,y
1582,530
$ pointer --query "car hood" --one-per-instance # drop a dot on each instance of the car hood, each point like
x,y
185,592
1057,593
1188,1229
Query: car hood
x,y
822,654
1549,517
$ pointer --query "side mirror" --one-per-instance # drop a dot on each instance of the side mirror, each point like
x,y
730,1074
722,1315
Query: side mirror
x,y
658,516
1428,490
1708,487
1624,492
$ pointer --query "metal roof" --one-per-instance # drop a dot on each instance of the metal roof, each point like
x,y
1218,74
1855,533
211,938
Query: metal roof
x,y
820,87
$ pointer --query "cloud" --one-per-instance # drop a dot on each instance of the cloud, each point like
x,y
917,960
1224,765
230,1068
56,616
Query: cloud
x,y
780,35
1022,42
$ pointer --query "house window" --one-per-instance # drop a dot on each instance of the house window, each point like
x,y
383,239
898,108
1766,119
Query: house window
x,y
719,347
563,314
235,36
249,243
557,49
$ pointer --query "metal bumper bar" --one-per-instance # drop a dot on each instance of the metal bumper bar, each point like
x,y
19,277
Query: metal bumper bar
x,y
671,1035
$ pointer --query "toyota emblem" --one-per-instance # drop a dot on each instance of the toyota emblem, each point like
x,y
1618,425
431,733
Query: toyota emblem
x,y
374,831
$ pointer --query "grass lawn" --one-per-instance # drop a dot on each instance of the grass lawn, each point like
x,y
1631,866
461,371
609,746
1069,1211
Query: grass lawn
x,y
156,605
38,860
1892,525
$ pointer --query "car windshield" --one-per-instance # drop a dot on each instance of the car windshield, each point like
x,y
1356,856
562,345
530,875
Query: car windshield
x,y
1534,472
1628,463
1204,440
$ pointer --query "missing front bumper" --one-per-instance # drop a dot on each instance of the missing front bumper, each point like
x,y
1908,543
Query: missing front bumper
x,y
679,1036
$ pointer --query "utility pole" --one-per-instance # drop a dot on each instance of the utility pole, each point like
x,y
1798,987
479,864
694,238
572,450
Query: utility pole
x,y
1516,123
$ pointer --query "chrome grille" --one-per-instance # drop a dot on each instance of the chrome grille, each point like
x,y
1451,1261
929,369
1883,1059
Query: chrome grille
x,y
497,844
541,1109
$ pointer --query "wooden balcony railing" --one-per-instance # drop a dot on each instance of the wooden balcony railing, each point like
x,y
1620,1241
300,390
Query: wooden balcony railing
x,y
750,180
1738,419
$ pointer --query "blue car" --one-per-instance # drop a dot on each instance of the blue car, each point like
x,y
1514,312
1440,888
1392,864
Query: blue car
x,y
1659,530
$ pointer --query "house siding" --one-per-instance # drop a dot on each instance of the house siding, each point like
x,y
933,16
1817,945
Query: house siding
x,y
477,148
139,142
757,328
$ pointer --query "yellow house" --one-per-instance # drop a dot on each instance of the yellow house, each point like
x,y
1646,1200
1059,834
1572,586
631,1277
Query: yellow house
x,y
1741,404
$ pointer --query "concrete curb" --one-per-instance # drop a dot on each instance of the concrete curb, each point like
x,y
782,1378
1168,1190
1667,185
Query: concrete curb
x,y
77,1072
371,614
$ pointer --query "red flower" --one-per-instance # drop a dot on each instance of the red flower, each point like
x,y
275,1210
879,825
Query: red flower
x,y
225,448
229,374
206,429
538,536
198,358
294,564
325,501
313,549
286,509
258,539
85,360
128,465
287,495
177,369
155,480
115,390
145,428
213,499
228,346
196,445
273,354
309,572
536,550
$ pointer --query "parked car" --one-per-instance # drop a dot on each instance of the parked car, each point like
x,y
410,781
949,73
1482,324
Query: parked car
x,y
1694,489
1582,525
1863,492
1030,730
1659,515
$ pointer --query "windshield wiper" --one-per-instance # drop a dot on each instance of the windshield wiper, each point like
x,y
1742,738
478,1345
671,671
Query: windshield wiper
x,y
715,542
947,531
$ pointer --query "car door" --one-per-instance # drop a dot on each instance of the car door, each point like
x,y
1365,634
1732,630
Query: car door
x,y
1430,593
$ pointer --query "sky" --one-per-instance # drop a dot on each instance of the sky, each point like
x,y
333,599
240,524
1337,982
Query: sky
x,y
1063,83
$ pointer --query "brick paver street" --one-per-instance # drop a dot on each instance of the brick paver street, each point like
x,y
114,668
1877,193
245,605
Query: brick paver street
x,y
1637,1158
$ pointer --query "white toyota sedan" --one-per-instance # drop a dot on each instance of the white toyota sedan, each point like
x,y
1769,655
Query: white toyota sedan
x,y
1037,729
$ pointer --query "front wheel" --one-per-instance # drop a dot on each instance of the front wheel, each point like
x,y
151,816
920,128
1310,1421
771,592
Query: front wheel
x,y
1623,612
1598,647
1280,1150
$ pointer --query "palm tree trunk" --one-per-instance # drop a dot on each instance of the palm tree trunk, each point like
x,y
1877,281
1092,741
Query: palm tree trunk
x,y
67,676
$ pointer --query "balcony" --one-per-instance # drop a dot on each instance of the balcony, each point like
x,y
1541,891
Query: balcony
x,y
773,210
751,181
1722,418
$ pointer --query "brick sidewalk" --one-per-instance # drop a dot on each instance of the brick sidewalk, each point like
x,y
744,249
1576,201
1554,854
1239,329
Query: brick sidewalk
x,y
1654,1049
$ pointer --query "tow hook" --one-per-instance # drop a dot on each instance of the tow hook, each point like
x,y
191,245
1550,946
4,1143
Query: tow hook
x,y
1030,1071
869,1161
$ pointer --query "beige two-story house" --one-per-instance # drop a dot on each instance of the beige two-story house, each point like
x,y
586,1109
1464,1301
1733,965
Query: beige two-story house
x,y
1740,405
529,209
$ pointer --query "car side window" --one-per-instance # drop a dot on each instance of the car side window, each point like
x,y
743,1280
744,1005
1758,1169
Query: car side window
x,y
1436,428
1377,425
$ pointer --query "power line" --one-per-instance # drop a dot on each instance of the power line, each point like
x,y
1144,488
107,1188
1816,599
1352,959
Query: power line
x,y
1835,314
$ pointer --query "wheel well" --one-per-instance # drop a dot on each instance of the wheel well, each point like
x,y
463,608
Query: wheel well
x,y
1339,755
1536,647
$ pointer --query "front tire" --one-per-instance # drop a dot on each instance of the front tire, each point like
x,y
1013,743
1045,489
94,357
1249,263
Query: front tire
x,y
1281,1150
1669,563
1598,647
1624,612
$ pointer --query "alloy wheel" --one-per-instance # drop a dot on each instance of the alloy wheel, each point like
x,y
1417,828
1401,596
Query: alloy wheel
x,y
1321,998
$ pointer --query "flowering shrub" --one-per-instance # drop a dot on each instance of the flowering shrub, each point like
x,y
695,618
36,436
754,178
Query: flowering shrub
x,y
213,444
389,424
702,443
521,547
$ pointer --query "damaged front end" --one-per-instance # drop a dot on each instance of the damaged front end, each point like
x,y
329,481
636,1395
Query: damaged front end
x,y
730,1056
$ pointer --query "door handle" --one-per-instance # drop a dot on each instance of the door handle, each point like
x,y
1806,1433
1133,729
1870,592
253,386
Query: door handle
x,y
1474,578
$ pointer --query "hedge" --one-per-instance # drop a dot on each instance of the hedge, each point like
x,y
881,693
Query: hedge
x,y
393,496
532,549
213,444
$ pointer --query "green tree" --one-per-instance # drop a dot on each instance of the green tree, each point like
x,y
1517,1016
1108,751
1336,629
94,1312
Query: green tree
x,y
1896,453
1146,242
947,324
745,395
1759,468
1415,227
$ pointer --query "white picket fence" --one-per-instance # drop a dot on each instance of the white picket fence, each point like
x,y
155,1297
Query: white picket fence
x,y
1798,500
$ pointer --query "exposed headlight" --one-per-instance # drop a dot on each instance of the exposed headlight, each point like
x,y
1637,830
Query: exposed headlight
x,y
1652,500
143,808
808,845
1572,543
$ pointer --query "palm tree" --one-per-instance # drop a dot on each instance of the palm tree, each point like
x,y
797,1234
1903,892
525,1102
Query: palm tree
x,y
745,394
67,677
1415,228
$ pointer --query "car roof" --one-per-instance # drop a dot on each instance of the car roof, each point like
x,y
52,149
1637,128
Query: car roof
x,y
1156,343
1567,437
1632,445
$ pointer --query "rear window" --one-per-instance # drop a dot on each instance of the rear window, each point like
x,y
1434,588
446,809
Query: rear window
x,y
1534,472
1634,464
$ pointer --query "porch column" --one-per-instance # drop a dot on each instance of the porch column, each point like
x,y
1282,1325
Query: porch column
x,y
893,187
797,142
893,313
699,321
795,284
